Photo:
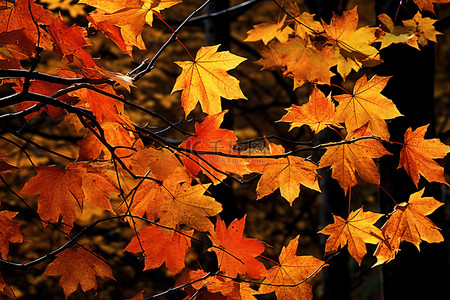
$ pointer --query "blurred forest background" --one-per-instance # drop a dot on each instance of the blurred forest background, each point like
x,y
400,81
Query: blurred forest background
x,y
270,219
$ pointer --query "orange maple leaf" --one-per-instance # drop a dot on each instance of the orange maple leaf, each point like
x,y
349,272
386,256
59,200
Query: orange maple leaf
x,y
236,254
293,271
417,156
269,31
322,59
367,105
67,39
10,232
146,199
16,16
166,169
210,138
408,222
215,287
285,173
62,191
357,157
205,80
317,113
305,25
428,4
116,135
423,28
78,267
295,58
162,164
160,247
188,205
103,107
127,17
355,232
354,45
394,34
15,46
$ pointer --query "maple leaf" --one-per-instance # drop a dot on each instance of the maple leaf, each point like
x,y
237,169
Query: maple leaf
x,y
269,31
236,254
147,198
67,39
281,55
366,106
295,59
188,205
357,157
62,191
408,222
15,46
10,232
394,34
293,270
160,247
423,28
205,80
317,113
428,4
417,156
166,169
129,17
305,25
114,33
116,135
162,164
103,107
355,231
354,44
210,138
285,173
78,267
322,60
16,16
215,287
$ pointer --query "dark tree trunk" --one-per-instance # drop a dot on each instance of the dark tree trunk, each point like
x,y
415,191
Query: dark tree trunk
x,y
217,31
413,274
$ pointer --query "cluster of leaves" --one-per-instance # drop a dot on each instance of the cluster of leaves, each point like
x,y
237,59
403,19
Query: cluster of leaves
x,y
162,184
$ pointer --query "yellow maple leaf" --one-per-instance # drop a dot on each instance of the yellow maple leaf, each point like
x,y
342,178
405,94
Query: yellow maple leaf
x,y
354,44
205,80
367,106
285,173
354,232
357,157
269,31
317,113
423,28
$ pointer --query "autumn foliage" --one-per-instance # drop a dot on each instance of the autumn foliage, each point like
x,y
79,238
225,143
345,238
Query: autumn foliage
x,y
158,186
